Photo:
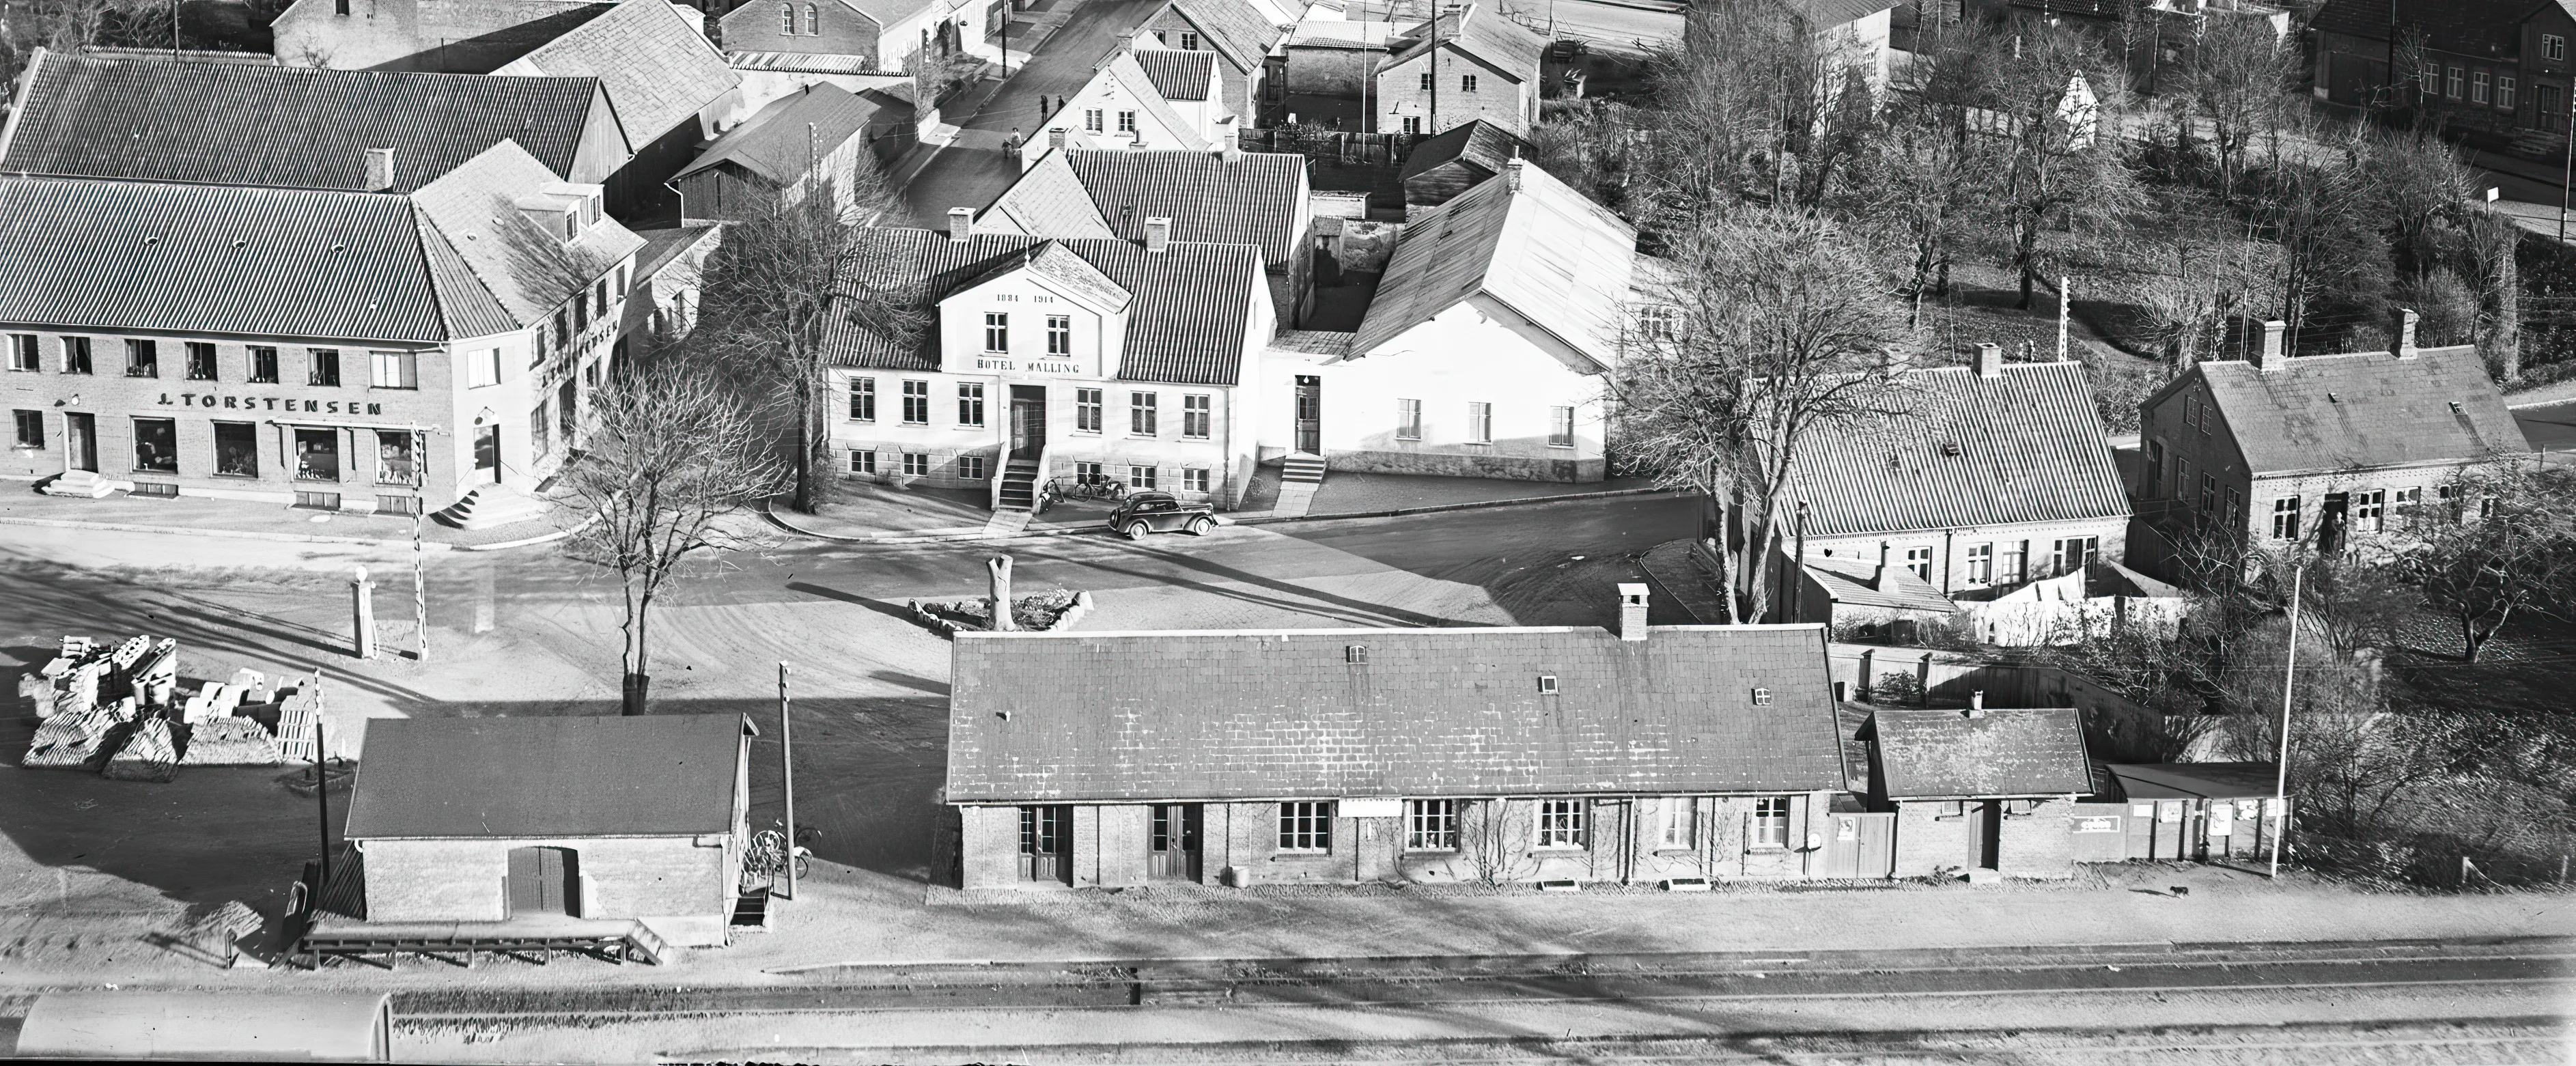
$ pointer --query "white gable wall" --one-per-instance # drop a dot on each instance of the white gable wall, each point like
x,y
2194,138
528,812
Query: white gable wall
x,y
1111,96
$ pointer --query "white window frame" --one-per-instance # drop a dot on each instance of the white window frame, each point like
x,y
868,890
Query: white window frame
x,y
2451,85
997,332
863,399
1087,411
1144,414
1560,825
970,468
393,370
1769,824
916,391
863,461
1431,825
1143,477
2371,505
970,404
1126,122
2553,46
1198,415
1919,560
2285,518
1059,334
1560,427
2480,86
1981,566
1408,419
1305,827
1678,829
2506,89
483,368
1091,120
916,464
1194,479
1480,422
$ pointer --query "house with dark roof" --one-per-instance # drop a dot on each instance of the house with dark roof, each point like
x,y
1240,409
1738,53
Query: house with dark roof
x,y
366,351
1469,64
1483,352
876,34
1979,790
2338,452
352,130
422,35
1221,197
1140,100
819,136
2492,68
1053,357
672,87
1997,474
1327,66
1865,599
1437,756
1440,168
1242,36
550,827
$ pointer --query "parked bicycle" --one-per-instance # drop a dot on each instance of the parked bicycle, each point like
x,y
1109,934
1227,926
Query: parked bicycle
x,y
768,855
1080,487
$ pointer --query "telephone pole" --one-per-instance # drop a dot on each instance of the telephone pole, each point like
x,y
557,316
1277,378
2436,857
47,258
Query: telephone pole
x,y
787,776
2281,770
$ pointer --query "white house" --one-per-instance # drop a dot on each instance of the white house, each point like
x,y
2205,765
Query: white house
x,y
1484,351
1142,99
1056,357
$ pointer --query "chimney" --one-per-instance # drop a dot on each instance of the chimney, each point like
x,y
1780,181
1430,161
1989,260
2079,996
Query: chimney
x,y
2269,357
1126,44
1632,611
1895,360
1512,173
1230,141
1990,360
380,170
1878,579
1158,234
2404,323
1976,705
961,224
1055,138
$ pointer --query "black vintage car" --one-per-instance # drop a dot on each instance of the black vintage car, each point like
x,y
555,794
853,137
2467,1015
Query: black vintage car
x,y
1157,512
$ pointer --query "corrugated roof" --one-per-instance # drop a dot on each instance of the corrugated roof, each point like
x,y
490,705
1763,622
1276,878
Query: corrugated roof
x,y
1338,33
1540,248
1048,200
1479,143
1928,754
2491,28
1176,74
774,142
1484,34
568,776
288,127
1857,582
2363,409
2027,446
1232,27
1432,712
803,62
660,70
1193,302
1250,199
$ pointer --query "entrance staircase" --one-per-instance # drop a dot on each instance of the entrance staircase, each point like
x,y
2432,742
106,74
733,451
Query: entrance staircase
x,y
492,505
1300,474
2538,144
1019,489
86,484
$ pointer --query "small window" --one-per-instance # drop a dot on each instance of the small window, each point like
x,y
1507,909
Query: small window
x,y
2478,86
322,367
863,461
916,464
970,467
1980,565
1658,323
2285,518
2553,46
2505,86
813,20
1351,653
1679,828
1306,826
1408,420
1196,415
481,368
142,360
2451,88
540,430
1194,479
1480,423
1086,410
1426,81
863,401
1560,427
1761,697
1547,684
1091,120
201,361
395,370
970,403
1466,83
23,354
76,356
1413,125
997,331
1059,334
787,19
1431,825
1189,41
916,403
2370,509
1770,822
1141,477
2208,495
1142,420
31,428
1126,122
1919,560
1560,823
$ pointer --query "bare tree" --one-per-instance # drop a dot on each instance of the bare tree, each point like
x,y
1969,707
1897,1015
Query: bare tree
x,y
2500,542
784,282
2239,82
672,454
1931,184
1768,330
2063,169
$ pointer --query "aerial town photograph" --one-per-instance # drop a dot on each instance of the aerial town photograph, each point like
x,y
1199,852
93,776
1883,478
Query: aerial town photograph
x,y
1739,532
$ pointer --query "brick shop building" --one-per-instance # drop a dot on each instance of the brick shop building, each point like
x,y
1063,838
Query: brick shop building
x,y
1393,755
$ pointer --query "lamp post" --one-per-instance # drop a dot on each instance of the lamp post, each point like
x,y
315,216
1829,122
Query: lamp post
x,y
2281,769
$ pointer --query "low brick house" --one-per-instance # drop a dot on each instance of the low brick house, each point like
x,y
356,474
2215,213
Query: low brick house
x,y
1398,755
519,825
1979,788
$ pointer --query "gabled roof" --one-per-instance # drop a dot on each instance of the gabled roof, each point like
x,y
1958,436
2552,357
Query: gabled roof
x,y
1483,33
1536,246
2193,780
660,70
1176,74
2025,446
2362,409
1235,28
1936,754
1857,582
530,272
1430,712
1129,74
1193,302
553,776
2491,28
1479,144
1820,15
774,142
1250,199
288,127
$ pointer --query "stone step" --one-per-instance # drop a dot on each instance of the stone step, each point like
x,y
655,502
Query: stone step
x,y
1301,467
487,506
86,484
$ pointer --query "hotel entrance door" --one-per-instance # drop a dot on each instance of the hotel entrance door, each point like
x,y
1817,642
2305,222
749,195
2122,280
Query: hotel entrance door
x,y
1028,421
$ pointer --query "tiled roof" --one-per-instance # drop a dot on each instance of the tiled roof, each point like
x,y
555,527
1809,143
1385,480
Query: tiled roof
x,y
549,776
1480,143
1856,582
2027,446
1312,342
774,142
1337,33
1128,70
529,271
288,127
1250,199
1232,27
885,12
1176,74
1432,712
1542,249
2490,28
2363,409
1193,302
660,70
1048,200
1925,754
1485,34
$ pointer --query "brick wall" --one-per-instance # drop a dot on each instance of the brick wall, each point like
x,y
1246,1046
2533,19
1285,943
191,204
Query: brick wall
x,y
758,27
2039,844
1121,836
1929,839
624,877
989,847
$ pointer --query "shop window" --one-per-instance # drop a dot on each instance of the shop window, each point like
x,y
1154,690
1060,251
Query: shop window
x,y
317,455
395,463
236,449
31,428
1770,822
201,361
322,367
1431,825
1306,826
76,355
1560,823
156,445
142,359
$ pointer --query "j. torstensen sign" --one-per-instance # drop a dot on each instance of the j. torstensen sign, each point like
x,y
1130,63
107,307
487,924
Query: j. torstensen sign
x,y
272,403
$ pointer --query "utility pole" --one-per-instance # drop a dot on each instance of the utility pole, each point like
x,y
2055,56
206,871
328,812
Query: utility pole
x,y
419,551
787,775
2567,168
2281,770
2065,297
321,790
1431,122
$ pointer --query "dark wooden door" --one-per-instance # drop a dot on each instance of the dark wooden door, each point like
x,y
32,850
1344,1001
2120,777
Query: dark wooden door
x,y
1310,414
543,881
80,439
1861,845
1028,420
487,450
1175,843
1990,832
1045,844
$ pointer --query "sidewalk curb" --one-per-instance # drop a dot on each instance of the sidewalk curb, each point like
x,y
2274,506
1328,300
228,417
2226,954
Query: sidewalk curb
x,y
960,535
1257,519
235,534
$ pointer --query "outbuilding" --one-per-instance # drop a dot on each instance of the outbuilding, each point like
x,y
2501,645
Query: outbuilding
x,y
1979,789
2196,810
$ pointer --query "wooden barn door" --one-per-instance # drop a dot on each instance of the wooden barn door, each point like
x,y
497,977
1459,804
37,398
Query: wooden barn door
x,y
544,881
1046,844
1861,846
1175,844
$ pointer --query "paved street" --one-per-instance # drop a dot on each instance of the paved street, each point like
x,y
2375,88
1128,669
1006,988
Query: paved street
x,y
975,170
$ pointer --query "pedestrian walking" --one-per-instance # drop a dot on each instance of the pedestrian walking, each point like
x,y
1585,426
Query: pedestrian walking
x,y
1012,142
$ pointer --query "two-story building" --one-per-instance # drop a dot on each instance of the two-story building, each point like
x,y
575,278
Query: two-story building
x,y
2330,451
1141,100
880,35
1242,36
2494,69
1221,197
1053,357
1468,64
352,350
821,136
1503,755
